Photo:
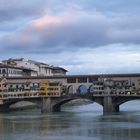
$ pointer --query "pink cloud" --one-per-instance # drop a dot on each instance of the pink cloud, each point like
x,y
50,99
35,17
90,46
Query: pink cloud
x,y
46,21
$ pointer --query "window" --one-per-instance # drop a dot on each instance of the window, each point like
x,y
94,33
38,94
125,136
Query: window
x,y
71,80
92,79
133,84
82,80
8,71
3,71
16,86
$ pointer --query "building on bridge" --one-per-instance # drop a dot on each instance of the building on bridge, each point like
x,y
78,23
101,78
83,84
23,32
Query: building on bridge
x,y
28,88
50,89
46,85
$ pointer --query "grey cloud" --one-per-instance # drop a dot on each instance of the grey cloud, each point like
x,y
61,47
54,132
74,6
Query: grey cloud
x,y
116,7
75,32
15,9
84,24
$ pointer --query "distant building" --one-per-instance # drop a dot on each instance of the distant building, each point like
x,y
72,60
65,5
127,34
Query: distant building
x,y
11,71
22,67
58,71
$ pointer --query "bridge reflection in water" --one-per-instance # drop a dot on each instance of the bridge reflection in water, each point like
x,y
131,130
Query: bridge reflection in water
x,y
75,122
50,94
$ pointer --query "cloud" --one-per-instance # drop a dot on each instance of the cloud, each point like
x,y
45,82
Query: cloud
x,y
108,59
13,9
73,30
82,36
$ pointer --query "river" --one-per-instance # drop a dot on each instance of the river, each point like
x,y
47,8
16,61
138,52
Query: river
x,y
85,122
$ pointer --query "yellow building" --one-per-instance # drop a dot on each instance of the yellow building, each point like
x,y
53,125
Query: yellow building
x,y
28,88
50,89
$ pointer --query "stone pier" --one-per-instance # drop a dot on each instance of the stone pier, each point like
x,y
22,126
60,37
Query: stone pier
x,y
4,108
109,106
49,105
46,105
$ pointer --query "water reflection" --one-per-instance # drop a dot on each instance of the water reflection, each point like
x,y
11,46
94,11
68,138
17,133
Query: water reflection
x,y
77,123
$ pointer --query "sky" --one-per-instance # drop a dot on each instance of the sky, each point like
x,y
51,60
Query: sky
x,y
83,36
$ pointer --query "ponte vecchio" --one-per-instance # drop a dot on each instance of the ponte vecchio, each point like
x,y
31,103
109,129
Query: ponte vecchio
x,y
50,92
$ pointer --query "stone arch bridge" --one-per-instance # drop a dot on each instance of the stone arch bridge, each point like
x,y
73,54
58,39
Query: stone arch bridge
x,y
110,103
110,91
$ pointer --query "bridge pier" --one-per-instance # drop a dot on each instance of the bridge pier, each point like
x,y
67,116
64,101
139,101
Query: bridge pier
x,y
48,105
4,108
109,106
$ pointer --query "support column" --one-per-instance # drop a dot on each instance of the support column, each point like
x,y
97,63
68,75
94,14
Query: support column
x,y
109,106
48,105
4,108
117,108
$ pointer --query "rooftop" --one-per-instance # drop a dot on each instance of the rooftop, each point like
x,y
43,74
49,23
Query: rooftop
x,y
15,67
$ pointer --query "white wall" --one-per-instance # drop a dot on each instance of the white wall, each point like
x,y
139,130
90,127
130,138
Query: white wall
x,y
45,71
27,64
12,72
34,73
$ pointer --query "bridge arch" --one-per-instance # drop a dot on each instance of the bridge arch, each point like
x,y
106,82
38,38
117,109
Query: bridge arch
x,y
56,104
70,89
131,104
121,100
82,89
116,102
91,89
22,104
36,102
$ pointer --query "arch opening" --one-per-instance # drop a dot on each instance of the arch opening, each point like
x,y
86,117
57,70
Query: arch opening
x,y
91,89
22,105
82,107
131,105
82,89
70,89
78,104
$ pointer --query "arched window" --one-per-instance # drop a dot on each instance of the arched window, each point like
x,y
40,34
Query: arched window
x,y
82,89
70,89
91,89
